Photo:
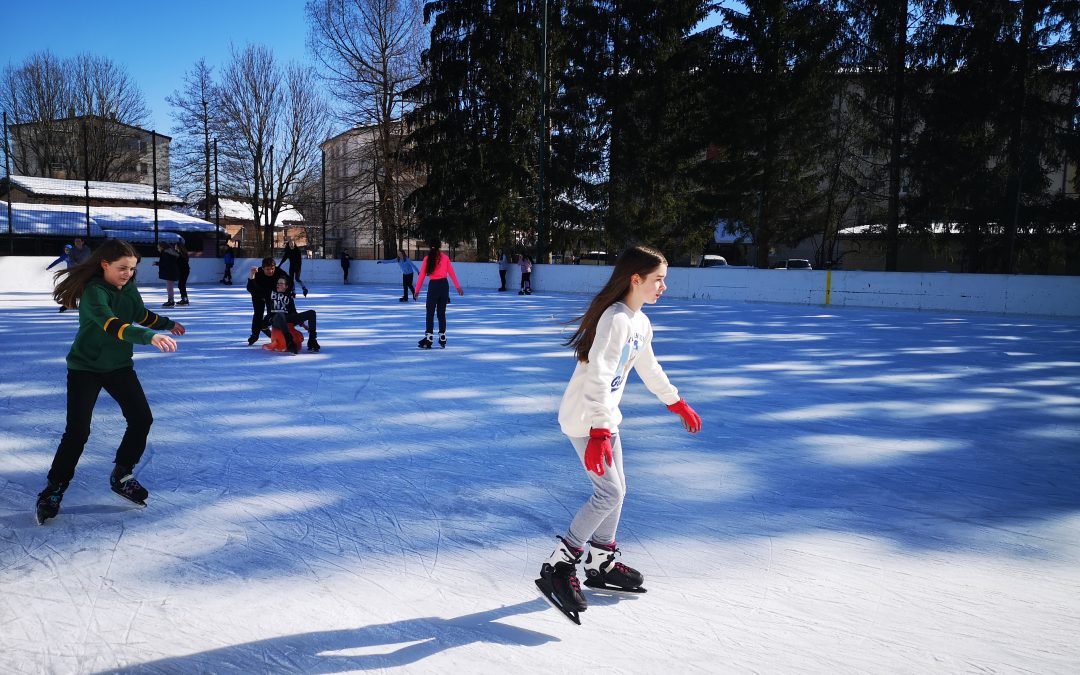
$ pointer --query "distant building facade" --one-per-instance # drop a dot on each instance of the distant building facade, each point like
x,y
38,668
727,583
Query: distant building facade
x,y
89,146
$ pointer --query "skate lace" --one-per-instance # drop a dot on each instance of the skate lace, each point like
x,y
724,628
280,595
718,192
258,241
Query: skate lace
x,y
574,582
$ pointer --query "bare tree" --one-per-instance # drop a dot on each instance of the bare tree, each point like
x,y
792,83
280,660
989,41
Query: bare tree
x,y
74,116
194,124
266,111
370,53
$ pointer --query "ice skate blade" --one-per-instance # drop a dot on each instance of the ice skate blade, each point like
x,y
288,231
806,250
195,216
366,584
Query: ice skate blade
x,y
545,592
600,586
127,500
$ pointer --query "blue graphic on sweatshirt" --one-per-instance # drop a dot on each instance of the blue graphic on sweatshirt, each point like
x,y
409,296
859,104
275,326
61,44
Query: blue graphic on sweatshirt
x,y
629,353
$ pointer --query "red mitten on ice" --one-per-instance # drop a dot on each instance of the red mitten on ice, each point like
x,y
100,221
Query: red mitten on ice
x,y
690,419
598,451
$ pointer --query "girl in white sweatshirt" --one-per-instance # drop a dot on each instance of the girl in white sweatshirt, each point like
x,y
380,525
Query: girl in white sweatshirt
x,y
612,337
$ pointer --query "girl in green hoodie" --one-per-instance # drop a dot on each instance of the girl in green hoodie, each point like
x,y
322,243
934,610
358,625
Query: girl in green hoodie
x,y
112,318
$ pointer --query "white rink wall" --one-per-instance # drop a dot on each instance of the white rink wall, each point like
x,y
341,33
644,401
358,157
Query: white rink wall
x,y
989,293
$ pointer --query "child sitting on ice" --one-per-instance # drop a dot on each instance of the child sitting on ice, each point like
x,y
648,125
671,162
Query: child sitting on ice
x,y
283,312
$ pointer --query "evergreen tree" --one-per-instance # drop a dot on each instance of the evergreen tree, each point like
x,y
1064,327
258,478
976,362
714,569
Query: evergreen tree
x,y
995,122
779,64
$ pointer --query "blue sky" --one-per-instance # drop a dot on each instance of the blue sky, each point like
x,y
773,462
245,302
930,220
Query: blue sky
x,y
157,42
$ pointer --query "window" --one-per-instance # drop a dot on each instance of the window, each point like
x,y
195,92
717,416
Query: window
x,y
142,147
144,168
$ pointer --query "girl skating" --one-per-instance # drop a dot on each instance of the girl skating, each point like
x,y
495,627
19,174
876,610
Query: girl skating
x,y
112,317
612,337
437,267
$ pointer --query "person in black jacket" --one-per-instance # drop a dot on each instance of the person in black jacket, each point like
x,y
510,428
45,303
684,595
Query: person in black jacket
x,y
260,284
283,312
184,268
168,265
293,255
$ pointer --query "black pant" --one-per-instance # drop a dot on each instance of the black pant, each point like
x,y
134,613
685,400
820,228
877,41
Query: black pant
x,y
182,283
526,281
294,274
438,294
345,274
406,282
228,274
281,321
258,313
502,280
82,394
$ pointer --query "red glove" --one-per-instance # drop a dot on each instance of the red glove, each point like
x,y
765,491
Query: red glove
x,y
690,419
598,451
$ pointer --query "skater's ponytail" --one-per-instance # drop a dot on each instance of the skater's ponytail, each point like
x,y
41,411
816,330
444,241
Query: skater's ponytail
x,y
639,260
432,256
68,291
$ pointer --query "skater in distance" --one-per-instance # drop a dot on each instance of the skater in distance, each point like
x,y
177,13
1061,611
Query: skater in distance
x,y
407,268
613,336
112,318
437,267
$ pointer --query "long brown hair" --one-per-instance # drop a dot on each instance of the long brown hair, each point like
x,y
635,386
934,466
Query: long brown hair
x,y
640,260
432,256
68,291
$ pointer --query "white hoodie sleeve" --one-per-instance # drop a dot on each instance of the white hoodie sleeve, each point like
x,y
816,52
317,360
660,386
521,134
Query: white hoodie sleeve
x,y
648,368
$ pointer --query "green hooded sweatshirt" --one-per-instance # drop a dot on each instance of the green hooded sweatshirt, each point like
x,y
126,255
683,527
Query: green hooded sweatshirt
x,y
107,327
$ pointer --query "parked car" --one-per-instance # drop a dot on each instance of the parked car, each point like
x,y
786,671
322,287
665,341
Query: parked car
x,y
793,264
593,258
712,261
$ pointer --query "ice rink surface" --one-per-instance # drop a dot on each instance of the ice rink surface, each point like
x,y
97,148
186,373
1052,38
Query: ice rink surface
x,y
874,491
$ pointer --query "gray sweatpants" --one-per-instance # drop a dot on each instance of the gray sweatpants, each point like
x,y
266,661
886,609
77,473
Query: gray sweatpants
x,y
598,518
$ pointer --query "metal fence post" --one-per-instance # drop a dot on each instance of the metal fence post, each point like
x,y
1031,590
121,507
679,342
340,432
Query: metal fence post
x,y
153,155
7,174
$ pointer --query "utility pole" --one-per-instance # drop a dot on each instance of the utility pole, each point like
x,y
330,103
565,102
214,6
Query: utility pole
x,y
7,173
153,155
86,177
541,207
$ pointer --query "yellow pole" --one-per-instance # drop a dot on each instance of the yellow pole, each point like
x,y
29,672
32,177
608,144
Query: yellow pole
x,y
828,286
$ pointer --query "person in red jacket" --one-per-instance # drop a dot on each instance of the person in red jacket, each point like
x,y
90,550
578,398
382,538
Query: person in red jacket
x,y
436,267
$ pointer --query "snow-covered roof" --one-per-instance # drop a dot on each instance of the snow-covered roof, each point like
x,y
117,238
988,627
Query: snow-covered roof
x,y
69,219
142,236
238,210
55,187
57,219
136,218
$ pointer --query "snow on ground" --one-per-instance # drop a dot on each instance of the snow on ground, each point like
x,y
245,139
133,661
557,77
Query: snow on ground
x,y
873,492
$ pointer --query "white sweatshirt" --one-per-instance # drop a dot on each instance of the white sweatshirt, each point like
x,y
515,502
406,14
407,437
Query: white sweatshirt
x,y
623,341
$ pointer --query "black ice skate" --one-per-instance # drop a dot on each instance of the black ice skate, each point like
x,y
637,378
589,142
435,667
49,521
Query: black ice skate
x,y
426,342
442,340
313,344
602,572
253,338
123,483
48,501
559,583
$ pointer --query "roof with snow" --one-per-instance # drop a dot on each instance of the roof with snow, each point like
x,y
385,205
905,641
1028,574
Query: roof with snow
x,y
240,210
70,219
55,187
